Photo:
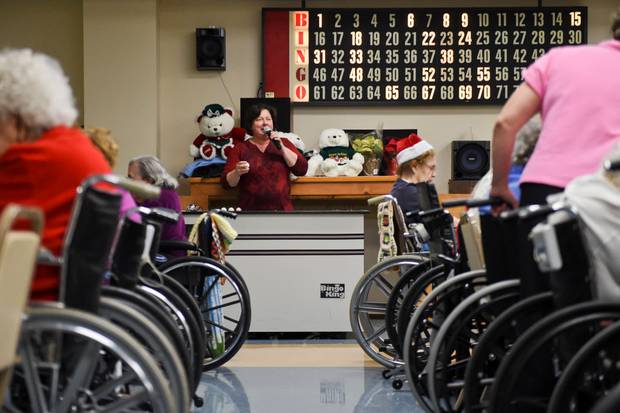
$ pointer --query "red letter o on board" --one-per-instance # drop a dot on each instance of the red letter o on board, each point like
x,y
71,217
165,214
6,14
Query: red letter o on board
x,y
300,92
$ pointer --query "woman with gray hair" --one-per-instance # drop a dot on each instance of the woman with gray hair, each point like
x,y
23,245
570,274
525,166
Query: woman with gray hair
x,y
43,157
148,168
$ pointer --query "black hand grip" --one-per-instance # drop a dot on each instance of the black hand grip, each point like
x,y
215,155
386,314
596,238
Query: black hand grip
x,y
163,215
166,215
227,214
535,211
612,164
473,203
415,212
431,212
139,188
277,143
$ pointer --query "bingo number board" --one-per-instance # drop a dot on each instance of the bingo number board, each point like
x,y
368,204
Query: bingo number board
x,y
409,56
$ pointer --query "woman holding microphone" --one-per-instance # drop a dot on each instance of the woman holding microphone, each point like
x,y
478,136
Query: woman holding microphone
x,y
260,166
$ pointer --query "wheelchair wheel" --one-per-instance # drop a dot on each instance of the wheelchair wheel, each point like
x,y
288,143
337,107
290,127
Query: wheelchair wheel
x,y
495,343
396,298
75,361
187,324
456,339
610,403
591,374
425,322
193,308
542,353
232,316
155,342
368,307
152,309
415,296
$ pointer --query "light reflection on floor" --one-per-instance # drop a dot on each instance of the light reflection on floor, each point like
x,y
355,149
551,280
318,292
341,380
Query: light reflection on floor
x,y
308,378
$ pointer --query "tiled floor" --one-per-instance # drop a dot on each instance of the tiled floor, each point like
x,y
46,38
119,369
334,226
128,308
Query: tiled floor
x,y
276,377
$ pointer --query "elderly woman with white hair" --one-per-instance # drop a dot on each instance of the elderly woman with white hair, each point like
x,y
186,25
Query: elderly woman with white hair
x,y
43,157
149,169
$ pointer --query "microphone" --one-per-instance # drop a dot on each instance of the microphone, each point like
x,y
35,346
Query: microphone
x,y
267,131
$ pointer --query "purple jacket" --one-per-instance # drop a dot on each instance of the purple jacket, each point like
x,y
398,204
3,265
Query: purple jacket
x,y
169,199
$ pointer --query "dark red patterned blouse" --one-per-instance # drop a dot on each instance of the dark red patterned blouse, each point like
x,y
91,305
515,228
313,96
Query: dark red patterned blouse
x,y
267,185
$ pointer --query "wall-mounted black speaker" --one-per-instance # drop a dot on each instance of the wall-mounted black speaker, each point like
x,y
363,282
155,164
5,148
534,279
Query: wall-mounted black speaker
x,y
211,48
470,159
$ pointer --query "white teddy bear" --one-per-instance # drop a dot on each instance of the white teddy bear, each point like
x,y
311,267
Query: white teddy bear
x,y
295,140
299,144
218,133
336,156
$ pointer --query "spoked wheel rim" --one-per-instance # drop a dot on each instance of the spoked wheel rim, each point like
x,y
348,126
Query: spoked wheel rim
x,y
494,345
591,374
369,306
456,340
421,329
101,368
227,316
412,282
413,298
507,395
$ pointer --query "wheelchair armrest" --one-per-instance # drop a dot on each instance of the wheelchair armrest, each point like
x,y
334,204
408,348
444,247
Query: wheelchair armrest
x,y
177,245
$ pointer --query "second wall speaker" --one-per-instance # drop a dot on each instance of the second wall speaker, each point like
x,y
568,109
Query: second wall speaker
x,y
470,159
211,48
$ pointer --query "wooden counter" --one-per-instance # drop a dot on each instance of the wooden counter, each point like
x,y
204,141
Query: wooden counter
x,y
202,190
358,187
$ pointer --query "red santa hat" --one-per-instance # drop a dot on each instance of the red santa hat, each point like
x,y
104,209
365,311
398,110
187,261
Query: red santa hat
x,y
410,148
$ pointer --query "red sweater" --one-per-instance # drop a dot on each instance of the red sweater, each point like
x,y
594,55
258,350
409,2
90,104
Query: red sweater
x,y
267,185
45,174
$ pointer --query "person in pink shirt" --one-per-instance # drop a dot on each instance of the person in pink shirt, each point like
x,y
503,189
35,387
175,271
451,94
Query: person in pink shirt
x,y
576,90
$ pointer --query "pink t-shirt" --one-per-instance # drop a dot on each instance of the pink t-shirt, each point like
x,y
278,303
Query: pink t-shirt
x,y
579,88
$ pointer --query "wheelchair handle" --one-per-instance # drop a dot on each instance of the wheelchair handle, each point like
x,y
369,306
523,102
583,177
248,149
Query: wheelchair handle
x,y
534,211
14,211
158,214
611,164
138,188
375,200
473,203
224,213
425,213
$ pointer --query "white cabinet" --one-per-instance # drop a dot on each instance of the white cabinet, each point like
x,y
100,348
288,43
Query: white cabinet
x,y
300,267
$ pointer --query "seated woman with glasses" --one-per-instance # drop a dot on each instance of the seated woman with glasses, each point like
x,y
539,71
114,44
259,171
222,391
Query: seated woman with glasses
x,y
416,163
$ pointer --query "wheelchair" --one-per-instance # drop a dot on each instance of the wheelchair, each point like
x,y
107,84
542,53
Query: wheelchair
x,y
156,296
521,358
449,323
217,287
372,322
578,340
67,359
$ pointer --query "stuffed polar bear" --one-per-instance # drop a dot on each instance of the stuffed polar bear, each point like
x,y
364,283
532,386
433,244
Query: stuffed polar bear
x,y
299,144
336,156
295,140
